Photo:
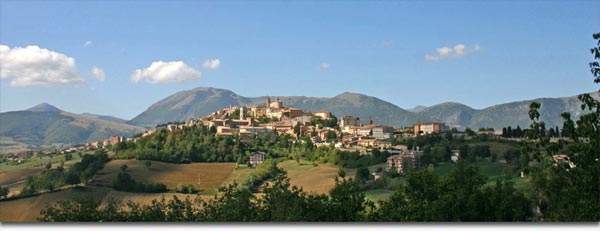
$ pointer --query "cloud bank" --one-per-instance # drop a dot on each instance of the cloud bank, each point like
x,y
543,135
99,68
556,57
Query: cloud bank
x,y
166,72
457,51
35,66
212,63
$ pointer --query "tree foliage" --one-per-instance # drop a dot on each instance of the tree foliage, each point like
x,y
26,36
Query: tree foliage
x,y
569,192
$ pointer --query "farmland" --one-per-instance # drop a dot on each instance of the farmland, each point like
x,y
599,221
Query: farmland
x,y
318,179
28,209
203,176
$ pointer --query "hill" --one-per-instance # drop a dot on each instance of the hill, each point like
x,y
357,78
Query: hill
x,y
45,126
502,115
105,117
453,114
201,101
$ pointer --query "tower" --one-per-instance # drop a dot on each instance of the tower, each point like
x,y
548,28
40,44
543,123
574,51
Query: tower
x,y
268,101
242,113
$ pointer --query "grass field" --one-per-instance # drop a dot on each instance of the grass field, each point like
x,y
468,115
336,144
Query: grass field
x,y
13,176
378,194
202,175
319,179
498,148
492,170
28,209
237,175
39,161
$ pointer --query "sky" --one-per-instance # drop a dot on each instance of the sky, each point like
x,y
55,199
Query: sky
x,y
119,57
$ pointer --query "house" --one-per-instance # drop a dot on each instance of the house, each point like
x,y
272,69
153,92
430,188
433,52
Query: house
x,y
402,163
366,142
323,114
455,156
383,144
349,121
561,159
257,158
377,175
365,131
382,132
430,127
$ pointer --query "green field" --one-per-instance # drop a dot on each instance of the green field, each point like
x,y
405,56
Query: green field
x,y
39,161
492,170
378,194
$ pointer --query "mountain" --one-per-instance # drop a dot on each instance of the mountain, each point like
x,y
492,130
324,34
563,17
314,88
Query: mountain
x,y
43,107
201,101
105,117
417,109
186,105
503,115
453,114
45,126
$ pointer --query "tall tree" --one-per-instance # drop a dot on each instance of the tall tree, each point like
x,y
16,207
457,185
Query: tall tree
x,y
569,192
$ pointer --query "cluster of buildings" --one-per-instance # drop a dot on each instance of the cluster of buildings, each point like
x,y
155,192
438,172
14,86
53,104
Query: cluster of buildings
x,y
112,140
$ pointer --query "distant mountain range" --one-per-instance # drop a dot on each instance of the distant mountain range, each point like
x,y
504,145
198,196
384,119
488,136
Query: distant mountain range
x,y
201,101
45,125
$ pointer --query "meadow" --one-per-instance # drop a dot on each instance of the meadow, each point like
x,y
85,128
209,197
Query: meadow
x,y
204,176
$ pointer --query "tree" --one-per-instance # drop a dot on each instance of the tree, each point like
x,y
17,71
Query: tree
x,y
3,192
148,164
362,175
570,193
72,178
48,165
124,168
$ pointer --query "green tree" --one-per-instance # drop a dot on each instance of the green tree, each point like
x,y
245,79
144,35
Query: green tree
x,y
148,164
362,175
3,192
570,193
72,178
124,168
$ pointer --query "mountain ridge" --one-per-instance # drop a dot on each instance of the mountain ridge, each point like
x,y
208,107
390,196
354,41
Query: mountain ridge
x,y
199,101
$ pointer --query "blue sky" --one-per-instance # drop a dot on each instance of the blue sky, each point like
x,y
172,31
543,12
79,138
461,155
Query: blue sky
x,y
406,52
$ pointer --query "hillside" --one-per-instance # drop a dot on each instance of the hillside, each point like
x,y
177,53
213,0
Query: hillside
x,y
201,101
189,104
502,115
454,114
105,117
50,127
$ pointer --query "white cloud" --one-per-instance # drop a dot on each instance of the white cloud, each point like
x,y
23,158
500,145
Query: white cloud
x,y
458,50
211,63
88,43
388,43
32,65
166,72
98,73
325,66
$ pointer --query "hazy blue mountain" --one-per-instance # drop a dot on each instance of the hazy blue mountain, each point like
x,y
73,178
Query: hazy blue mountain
x,y
186,105
417,109
201,101
43,107
453,114
503,115
105,117
45,125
